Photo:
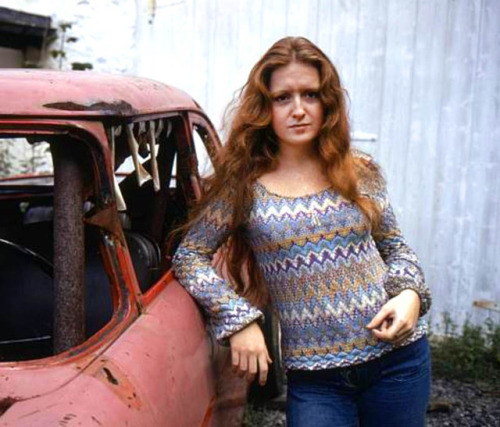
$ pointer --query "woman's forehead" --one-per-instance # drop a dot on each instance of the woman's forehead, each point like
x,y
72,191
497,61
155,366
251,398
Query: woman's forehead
x,y
294,75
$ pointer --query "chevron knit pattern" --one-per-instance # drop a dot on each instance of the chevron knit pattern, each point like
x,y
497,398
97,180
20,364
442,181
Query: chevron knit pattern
x,y
326,274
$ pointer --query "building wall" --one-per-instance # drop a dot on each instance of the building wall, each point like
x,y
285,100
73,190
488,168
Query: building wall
x,y
10,58
422,75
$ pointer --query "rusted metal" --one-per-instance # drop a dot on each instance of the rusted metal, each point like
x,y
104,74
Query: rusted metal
x,y
112,377
117,107
108,220
48,93
141,173
112,133
488,305
6,403
69,255
152,151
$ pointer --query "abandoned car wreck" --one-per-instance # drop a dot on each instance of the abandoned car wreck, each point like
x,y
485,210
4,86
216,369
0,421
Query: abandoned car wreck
x,y
94,327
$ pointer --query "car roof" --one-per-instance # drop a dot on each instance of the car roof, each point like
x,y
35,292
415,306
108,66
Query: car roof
x,y
88,94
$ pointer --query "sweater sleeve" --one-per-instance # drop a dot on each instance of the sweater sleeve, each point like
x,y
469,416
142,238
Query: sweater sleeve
x,y
227,311
404,270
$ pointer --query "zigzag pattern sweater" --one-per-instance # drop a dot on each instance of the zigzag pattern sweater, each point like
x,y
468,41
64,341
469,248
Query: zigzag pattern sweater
x,y
327,275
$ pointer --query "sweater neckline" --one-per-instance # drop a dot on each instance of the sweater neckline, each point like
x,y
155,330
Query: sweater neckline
x,y
264,189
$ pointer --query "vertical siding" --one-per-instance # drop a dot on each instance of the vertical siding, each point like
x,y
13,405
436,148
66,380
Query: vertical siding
x,y
423,75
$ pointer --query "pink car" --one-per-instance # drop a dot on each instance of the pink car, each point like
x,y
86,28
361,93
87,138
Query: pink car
x,y
96,172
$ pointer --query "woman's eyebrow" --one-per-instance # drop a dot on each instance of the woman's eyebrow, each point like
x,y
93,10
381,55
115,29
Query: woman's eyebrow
x,y
279,92
312,87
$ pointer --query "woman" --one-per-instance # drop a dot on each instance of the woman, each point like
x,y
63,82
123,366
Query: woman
x,y
312,221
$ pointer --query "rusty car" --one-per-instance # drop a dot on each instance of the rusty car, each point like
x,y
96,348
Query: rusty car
x,y
96,170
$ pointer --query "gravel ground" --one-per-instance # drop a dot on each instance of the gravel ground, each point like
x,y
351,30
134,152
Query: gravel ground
x,y
453,404
464,405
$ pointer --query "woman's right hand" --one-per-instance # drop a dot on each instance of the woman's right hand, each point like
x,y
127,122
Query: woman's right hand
x,y
249,353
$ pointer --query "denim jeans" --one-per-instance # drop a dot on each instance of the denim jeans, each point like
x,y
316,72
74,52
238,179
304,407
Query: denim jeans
x,y
392,390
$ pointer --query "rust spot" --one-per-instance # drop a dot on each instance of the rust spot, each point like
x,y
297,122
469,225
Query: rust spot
x,y
6,403
110,377
117,107
66,419
107,219
118,381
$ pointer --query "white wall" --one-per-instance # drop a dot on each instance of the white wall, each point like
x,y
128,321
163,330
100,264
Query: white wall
x,y
423,75
106,30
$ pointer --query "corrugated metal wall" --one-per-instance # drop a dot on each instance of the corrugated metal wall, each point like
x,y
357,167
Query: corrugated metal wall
x,y
423,75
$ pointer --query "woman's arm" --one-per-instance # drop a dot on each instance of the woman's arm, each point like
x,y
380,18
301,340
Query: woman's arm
x,y
404,270
230,315
405,283
227,311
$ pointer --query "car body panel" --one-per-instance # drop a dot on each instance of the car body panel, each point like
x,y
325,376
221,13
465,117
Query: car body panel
x,y
155,361
140,376
45,93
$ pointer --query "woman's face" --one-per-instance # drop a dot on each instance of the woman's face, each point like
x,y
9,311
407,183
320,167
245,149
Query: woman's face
x,y
297,112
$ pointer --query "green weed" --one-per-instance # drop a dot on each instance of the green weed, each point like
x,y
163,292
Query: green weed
x,y
471,355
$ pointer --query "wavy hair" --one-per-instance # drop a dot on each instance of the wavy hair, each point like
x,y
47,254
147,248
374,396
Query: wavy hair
x,y
251,149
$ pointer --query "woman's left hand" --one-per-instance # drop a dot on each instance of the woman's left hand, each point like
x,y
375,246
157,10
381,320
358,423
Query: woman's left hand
x,y
398,318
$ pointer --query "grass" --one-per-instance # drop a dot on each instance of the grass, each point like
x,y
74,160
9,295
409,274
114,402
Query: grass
x,y
471,355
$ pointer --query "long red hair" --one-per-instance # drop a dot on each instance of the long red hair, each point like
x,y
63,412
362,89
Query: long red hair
x,y
251,149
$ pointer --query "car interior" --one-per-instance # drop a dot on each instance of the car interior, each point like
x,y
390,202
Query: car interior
x,y
27,244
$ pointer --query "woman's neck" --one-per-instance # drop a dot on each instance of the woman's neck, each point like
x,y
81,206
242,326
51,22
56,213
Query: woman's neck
x,y
298,172
297,158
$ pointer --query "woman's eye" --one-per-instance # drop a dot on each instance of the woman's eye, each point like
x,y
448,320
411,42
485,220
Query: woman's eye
x,y
312,95
282,98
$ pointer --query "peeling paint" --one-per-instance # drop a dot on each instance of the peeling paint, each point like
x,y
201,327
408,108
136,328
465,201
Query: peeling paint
x,y
96,420
66,419
118,381
6,403
110,377
117,107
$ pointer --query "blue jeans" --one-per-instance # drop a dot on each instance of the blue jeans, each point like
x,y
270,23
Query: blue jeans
x,y
392,390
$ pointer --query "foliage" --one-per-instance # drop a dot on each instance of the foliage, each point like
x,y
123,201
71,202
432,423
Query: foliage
x,y
17,156
37,160
472,355
60,52
5,160
81,66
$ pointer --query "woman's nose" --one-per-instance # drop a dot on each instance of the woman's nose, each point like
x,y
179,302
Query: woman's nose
x,y
298,107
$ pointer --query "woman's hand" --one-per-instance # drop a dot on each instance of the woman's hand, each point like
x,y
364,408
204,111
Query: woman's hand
x,y
398,318
249,353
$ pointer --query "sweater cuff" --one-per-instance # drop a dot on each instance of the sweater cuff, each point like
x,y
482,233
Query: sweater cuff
x,y
395,285
233,317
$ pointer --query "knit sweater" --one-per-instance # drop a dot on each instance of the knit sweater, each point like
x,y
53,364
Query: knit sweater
x,y
326,273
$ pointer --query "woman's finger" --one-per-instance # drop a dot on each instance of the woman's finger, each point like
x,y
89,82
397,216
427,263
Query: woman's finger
x,y
252,367
235,360
380,318
243,366
264,361
388,331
